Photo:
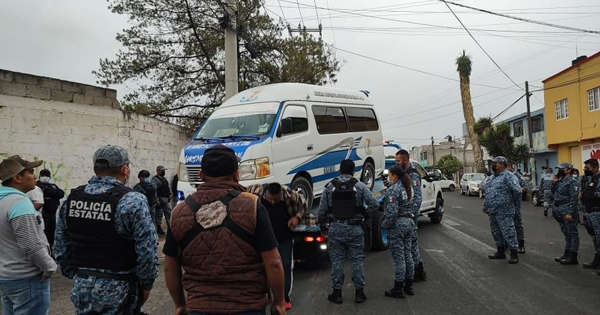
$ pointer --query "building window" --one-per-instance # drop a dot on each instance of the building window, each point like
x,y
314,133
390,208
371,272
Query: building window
x,y
518,128
424,156
562,109
537,124
594,99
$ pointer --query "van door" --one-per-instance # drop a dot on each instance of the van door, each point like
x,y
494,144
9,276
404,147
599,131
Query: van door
x,y
292,144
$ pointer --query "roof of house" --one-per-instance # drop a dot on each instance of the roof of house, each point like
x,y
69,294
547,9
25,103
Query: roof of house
x,y
573,66
534,113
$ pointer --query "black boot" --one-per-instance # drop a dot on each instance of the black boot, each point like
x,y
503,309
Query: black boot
x,y
570,259
514,256
522,247
545,212
558,259
396,291
420,274
336,296
500,254
408,289
359,296
595,264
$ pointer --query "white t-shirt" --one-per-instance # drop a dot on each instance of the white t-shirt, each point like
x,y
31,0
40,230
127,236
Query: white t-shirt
x,y
36,195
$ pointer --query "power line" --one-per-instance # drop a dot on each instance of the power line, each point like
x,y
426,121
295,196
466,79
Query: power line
x,y
282,13
300,11
482,49
522,19
508,107
317,11
409,68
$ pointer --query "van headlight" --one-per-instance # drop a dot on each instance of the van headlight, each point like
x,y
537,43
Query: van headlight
x,y
255,169
182,173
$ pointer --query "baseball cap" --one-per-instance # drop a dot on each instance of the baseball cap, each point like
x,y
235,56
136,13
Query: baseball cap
x,y
565,165
14,165
161,168
219,161
500,159
143,174
109,156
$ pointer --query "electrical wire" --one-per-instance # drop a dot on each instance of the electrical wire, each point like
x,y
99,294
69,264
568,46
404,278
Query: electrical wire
x,y
482,49
508,107
409,68
300,11
521,19
317,11
282,13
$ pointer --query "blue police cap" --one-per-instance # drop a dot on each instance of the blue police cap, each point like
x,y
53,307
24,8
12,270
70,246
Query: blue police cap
x,y
109,156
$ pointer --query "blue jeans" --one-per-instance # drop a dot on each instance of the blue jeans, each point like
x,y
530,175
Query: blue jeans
x,y
25,296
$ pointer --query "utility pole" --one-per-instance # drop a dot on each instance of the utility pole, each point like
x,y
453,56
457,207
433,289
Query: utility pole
x,y
231,50
433,151
532,167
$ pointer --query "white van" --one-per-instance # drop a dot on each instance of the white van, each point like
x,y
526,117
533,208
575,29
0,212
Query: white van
x,y
291,133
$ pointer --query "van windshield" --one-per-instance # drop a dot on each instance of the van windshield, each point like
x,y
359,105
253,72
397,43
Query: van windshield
x,y
243,121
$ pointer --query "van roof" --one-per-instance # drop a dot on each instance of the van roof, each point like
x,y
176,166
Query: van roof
x,y
280,92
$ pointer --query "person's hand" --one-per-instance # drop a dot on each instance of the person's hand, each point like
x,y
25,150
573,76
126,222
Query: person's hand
x,y
145,296
46,276
568,218
555,178
180,310
293,222
278,309
485,211
580,196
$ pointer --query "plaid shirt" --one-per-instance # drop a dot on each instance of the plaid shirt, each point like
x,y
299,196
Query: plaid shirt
x,y
295,202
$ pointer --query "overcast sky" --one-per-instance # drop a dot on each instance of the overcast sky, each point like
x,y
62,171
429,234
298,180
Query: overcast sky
x,y
66,38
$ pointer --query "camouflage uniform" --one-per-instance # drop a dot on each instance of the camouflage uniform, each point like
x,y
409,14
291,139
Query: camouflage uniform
x,y
518,218
401,230
94,295
565,202
500,194
546,189
592,215
346,239
415,210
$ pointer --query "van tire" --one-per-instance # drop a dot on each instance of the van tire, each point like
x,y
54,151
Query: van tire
x,y
368,170
379,243
304,186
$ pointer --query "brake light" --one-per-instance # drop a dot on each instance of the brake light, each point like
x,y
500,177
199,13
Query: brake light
x,y
309,239
320,239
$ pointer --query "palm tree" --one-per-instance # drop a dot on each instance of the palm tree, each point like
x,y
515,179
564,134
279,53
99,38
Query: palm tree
x,y
464,69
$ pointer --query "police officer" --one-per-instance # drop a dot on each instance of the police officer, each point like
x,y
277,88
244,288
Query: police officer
x,y
342,203
590,197
145,187
565,212
106,240
403,159
163,192
518,218
398,220
546,188
501,194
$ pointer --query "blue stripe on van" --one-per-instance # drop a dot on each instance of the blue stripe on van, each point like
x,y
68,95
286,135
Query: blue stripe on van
x,y
331,175
328,159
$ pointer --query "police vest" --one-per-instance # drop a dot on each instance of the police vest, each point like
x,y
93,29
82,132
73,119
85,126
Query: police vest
x,y
94,241
163,190
344,199
590,186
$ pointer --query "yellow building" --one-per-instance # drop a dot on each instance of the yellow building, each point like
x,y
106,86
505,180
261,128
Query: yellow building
x,y
572,111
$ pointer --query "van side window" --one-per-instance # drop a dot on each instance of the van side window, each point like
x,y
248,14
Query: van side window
x,y
294,120
330,119
362,119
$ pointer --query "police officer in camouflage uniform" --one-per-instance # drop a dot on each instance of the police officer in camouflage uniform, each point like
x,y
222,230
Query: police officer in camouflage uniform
x,y
403,159
565,212
398,220
106,240
590,196
518,218
342,204
546,188
501,191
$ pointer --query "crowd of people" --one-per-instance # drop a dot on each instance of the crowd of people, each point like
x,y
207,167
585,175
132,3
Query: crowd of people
x,y
562,193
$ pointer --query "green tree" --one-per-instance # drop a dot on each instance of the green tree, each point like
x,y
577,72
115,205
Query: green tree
x,y
449,165
497,140
173,55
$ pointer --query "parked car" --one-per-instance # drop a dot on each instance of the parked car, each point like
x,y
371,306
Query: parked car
x,y
447,184
470,184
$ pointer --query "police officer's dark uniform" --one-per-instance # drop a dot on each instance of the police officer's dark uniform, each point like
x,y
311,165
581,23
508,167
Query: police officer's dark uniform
x,y
590,196
342,204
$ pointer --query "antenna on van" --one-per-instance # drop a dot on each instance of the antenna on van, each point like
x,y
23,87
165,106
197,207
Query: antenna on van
x,y
365,92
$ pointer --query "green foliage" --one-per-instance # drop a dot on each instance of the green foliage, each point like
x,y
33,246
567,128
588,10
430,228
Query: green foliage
x,y
496,139
463,65
449,165
173,55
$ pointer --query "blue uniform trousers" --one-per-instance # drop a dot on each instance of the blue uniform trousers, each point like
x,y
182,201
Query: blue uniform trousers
x,y
346,241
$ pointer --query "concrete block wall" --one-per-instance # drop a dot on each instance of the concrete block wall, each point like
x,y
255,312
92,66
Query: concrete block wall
x,y
63,123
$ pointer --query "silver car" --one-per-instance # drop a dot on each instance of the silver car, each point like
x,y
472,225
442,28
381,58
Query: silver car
x,y
470,183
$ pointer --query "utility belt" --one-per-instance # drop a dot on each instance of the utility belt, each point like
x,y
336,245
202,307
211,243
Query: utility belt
x,y
351,221
105,275
135,287
406,215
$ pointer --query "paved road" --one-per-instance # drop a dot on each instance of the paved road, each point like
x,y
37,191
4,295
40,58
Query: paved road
x,y
461,278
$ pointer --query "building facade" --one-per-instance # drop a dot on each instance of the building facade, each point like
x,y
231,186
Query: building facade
x,y
462,150
572,111
519,128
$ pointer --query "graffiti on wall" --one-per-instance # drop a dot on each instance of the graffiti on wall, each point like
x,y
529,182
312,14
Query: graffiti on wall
x,y
61,174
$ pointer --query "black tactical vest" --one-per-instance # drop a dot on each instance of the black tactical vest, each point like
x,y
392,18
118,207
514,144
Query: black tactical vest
x,y
343,200
94,241
589,187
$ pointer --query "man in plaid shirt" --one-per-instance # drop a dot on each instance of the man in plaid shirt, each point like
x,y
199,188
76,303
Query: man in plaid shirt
x,y
286,209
